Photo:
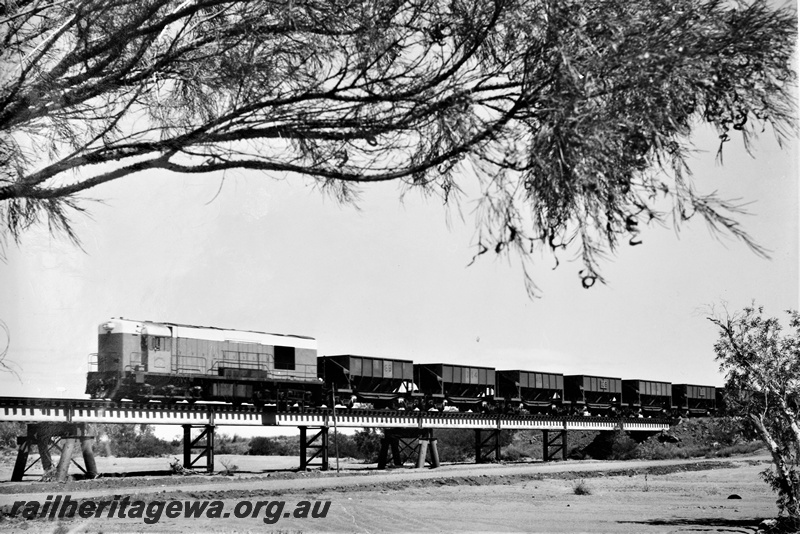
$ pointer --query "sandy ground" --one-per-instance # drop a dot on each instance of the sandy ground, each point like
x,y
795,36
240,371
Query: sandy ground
x,y
625,497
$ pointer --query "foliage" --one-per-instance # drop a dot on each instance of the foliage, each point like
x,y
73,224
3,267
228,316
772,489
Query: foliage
x,y
653,450
623,447
616,445
230,468
344,445
362,445
456,445
280,446
131,441
581,488
225,444
514,453
9,431
459,445
574,116
368,444
762,368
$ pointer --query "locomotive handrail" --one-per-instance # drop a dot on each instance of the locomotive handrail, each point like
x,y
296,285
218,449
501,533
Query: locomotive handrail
x,y
239,363
234,364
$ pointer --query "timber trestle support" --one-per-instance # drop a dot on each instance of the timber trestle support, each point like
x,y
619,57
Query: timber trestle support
x,y
408,444
551,446
487,449
314,449
42,438
199,448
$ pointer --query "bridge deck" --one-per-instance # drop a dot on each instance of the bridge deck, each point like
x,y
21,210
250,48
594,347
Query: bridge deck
x,y
36,410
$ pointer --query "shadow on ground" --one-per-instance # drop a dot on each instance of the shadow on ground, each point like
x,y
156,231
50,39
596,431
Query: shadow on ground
x,y
717,522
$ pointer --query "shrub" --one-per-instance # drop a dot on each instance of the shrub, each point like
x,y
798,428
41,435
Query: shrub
x,y
617,445
261,446
230,468
9,431
279,446
623,447
513,453
368,444
344,445
581,488
224,444
131,441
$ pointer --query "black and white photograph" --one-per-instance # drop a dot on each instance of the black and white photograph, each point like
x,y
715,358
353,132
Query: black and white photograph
x,y
368,266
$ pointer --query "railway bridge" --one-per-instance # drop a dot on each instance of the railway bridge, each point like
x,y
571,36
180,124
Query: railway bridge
x,y
62,424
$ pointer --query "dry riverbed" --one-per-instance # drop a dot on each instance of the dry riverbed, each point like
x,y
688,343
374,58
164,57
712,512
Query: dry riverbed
x,y
625,497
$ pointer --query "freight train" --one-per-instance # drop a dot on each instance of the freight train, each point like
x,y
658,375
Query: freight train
x,y
154,361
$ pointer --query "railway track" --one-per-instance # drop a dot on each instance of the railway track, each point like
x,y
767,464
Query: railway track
x,y
51,410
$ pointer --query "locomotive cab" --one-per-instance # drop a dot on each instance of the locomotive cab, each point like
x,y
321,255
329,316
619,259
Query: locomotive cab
x,y
155,349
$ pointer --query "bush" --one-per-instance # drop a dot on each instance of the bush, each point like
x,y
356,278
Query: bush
x,y
623,447
224,444
617,445
344,445
279,446
368,444
230,468
581,488
261,446
459,445
513,453
131,441
9,431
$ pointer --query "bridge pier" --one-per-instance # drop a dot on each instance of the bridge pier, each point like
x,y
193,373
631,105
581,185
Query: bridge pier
x,y
408,444
203,444
552,446
60,436
316,445
486,448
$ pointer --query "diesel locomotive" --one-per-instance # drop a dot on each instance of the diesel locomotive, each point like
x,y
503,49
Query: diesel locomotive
x,y
145,361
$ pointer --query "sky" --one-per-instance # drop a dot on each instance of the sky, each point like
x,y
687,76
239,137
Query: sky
x,y
392,278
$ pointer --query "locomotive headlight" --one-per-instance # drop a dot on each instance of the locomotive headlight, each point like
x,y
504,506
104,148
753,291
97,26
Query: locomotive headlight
x,y
109,326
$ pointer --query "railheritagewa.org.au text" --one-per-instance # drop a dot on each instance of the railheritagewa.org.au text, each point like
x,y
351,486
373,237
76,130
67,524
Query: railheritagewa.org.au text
x,y
64,507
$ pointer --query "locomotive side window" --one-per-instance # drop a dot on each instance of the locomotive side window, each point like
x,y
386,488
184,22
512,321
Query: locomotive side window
x,y
160,343
284,358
